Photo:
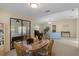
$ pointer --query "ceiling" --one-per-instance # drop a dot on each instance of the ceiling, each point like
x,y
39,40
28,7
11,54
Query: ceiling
x,y
26,10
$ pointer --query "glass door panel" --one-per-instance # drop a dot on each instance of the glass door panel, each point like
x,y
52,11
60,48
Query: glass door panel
x,y
26,28
15,28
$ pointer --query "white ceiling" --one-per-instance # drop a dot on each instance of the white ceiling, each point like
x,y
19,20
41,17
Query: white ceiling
x,y
26,10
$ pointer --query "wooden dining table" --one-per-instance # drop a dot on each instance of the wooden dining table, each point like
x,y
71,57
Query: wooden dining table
x,y
39,44
34,46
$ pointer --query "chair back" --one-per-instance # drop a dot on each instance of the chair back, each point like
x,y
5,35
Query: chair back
x,y
49,47
19,49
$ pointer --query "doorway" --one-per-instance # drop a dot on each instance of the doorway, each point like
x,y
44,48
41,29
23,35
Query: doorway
x,y
53,28
19,28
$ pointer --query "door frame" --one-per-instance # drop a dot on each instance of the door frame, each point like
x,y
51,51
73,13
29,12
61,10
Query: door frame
x,y
21,29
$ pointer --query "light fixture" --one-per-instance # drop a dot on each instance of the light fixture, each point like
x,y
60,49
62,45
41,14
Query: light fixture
x,y
17,20
34,5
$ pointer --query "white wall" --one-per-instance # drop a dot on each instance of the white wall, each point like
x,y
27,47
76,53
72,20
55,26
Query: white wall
x,y
66,25
62,25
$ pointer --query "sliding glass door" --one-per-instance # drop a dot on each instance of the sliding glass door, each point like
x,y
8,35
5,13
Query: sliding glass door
x,y
26,28
19,27
15,28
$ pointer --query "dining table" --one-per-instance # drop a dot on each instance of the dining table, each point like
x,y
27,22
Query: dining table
x,y
34,46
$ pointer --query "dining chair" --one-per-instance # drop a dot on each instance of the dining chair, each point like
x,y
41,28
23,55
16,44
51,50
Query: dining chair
x,y
47,50
49,47
20,50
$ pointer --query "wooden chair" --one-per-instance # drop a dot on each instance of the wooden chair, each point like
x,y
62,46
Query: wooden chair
x,y
49,47
19,49
47,50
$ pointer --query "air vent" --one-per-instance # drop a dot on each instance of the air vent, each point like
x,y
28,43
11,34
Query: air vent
x,y
47,11
72,9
